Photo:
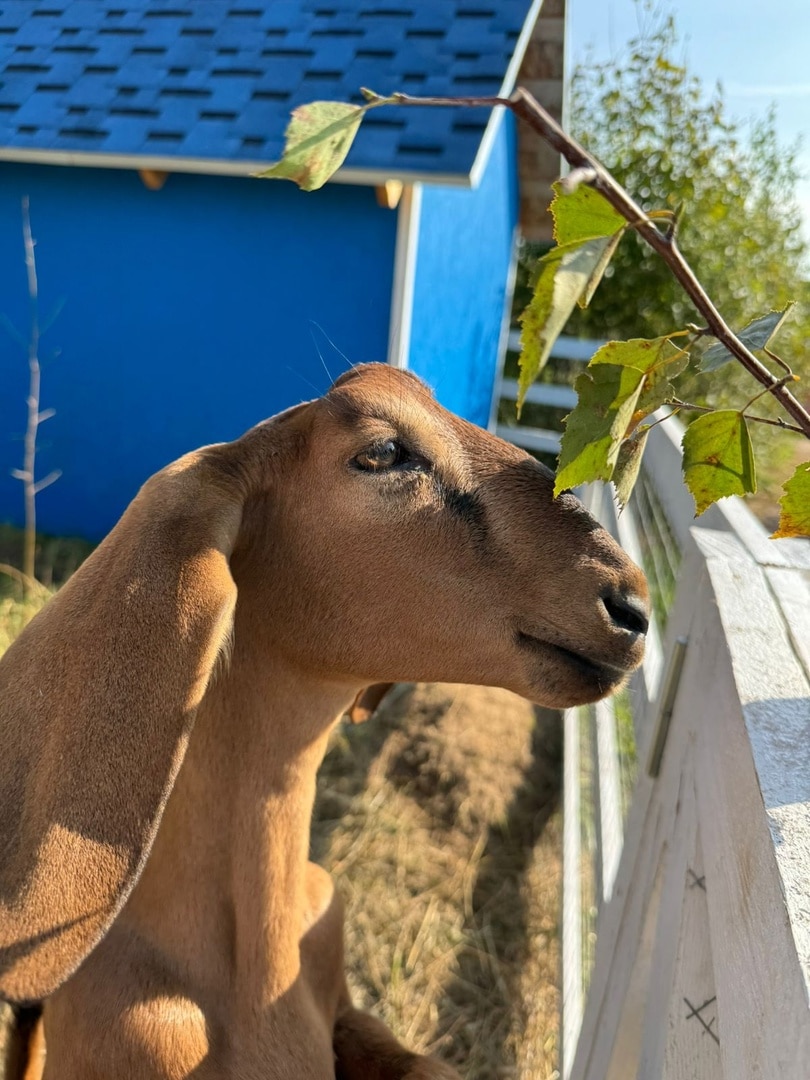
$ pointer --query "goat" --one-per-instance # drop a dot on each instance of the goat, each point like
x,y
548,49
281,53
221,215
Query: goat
x,y
163,719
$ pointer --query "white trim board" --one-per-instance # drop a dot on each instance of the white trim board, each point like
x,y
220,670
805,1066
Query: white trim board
x,y
405,255
216,167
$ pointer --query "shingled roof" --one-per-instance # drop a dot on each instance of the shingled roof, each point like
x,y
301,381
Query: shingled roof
x,y
208,85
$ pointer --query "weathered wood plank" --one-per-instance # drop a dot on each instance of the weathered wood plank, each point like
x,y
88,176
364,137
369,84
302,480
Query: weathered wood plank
x,y
572,1000
608,796
792,591
773,695
752,832
623,920
614,1008
692,1030
665,951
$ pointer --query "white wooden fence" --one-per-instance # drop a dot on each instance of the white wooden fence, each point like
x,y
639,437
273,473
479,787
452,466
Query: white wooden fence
x,y
686,911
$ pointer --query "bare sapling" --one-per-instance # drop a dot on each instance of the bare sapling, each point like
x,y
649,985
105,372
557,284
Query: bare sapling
x,y
27,474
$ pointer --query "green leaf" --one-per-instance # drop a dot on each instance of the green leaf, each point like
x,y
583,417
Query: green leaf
x,y
624,382
660,361
628,464
583,214
718,459
607,398
755,335
564,275
318,138
795,517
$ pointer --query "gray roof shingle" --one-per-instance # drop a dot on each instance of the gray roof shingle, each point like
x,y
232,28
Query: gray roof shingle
x,y
215,80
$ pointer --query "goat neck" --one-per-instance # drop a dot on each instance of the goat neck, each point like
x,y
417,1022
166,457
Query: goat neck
x,y
229,863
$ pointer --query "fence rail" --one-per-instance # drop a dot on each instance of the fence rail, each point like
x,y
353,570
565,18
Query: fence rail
x,y
693,818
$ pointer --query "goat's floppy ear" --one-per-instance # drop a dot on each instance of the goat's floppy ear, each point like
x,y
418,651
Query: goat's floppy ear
x,y
367,701
97,699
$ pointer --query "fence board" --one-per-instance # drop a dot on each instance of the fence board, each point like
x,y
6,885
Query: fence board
x,y
692,1029
761,988
572,908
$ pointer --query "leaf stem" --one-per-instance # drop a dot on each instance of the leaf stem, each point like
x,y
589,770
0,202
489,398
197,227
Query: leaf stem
x,y
786,379
675,403
778,360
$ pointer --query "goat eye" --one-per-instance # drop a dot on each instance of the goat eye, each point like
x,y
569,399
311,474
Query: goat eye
x,y
383,456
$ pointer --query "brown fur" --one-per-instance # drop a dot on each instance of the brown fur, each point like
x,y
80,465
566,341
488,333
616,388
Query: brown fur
x,y
251,591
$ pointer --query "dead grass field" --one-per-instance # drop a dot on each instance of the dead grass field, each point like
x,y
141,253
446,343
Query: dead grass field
x,y
440,821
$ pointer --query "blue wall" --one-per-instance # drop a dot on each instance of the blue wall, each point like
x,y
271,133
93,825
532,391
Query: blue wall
x,y
465,248
188,316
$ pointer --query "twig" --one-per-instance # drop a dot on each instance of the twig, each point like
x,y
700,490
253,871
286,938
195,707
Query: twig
x,y
32,487
29,457
523,105
775,422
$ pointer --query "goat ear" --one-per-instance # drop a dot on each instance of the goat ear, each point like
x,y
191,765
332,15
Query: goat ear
x,y
97,700
367,702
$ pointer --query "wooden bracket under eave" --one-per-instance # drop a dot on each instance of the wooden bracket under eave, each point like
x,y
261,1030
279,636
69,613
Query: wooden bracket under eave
x,y
389,194
154,179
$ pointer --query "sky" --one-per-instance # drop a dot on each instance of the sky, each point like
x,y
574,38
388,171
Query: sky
x,y
759,57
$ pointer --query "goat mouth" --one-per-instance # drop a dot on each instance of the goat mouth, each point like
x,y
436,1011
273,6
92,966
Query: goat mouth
x,y
608,674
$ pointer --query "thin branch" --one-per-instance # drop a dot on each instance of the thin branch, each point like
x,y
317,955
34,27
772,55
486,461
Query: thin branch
x,y
30,452
782,382
528,109
776,422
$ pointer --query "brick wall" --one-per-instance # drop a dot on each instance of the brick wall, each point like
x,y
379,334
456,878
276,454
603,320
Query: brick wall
x,y
542,74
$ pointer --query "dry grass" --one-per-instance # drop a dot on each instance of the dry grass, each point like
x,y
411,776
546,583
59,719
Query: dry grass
x,y
440,823
15,613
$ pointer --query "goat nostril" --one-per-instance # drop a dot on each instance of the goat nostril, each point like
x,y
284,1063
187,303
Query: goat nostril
x,y
627,612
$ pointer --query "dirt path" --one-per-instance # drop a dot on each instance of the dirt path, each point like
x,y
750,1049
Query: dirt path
x,y
440,821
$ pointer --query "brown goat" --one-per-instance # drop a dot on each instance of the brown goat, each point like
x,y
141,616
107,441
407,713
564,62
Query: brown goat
x,y
154,886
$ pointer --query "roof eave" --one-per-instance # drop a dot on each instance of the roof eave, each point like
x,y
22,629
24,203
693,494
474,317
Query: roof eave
x,y
216,167
369,177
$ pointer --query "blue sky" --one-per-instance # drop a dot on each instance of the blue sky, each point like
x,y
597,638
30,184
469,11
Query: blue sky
x,y
761,58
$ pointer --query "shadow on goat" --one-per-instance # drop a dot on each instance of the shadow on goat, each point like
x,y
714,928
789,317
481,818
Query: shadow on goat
x,y
250,592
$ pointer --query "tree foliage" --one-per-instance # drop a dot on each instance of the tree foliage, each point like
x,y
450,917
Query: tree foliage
x,y
673,145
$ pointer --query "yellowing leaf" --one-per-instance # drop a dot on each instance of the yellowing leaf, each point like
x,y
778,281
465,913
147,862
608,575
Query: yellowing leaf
x,y
640,353
564,275
624,382
583,214
318,138
628,464
660,361
795,517
755,335
607,397
599,269
718,459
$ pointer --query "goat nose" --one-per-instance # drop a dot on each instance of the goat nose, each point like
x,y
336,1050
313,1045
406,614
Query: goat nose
x,y
627,612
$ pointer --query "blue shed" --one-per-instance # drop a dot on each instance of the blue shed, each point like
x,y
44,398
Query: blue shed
x,y
194,300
